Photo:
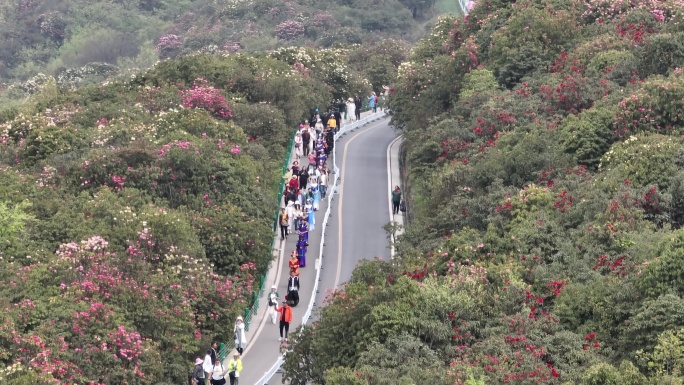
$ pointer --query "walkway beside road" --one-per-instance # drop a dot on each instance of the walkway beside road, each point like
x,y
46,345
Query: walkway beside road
x,y
360,208
263,348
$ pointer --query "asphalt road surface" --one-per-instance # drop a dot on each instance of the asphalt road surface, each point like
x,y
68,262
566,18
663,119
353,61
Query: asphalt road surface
x,y
360,208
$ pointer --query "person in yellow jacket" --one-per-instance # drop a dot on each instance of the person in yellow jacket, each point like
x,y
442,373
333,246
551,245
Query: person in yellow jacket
x,y
332,123
287,176
234,369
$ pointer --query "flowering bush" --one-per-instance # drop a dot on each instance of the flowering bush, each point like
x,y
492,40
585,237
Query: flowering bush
x,y
289,30
168,45
652,107
201,95
643,159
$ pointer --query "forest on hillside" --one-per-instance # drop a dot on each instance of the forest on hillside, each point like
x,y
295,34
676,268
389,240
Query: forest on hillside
x,y
137,215
544,167
82,41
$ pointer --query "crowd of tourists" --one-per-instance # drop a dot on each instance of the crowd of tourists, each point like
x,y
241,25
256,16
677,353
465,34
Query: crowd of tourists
x,y
304,188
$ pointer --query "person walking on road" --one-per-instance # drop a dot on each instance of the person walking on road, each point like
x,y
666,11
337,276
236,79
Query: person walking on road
x,y
332,123
301,250
303,178
297,216
341,111
372,102
357,107
198,372
293,263
218,373
396,200
285,312
293,289
207,365
306,139
283,220
298,141
312,217
273,304
234,369
323,182
289,210
239,335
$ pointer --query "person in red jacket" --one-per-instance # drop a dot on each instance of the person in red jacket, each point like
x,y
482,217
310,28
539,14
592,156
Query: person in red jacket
x,y
285,319
294,183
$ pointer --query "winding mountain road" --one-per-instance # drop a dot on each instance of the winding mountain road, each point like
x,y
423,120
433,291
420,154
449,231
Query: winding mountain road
x,y
360,207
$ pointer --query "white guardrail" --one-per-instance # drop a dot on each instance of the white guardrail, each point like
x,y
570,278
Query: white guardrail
x,y
331,191
465,6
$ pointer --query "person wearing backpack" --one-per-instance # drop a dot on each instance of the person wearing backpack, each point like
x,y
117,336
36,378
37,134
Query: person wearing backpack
x,y
396,199
218,373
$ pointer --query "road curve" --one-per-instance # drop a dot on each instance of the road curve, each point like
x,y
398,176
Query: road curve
x,y
360,207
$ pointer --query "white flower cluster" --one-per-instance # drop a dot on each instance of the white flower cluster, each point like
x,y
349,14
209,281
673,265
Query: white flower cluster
x,y
405,68
225,5
7,371
182,264
37,83
74,76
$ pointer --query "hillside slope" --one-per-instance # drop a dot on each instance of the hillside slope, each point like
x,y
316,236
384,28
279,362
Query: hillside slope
x,y
55,36
136,216
543,144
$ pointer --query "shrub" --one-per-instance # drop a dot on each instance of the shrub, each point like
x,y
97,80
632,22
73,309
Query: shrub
x,y
661,53
653,107
643,160
290,30
589,135
201,95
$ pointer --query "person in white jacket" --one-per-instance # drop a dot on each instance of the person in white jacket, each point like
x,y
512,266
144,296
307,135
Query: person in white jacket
x,y
207,365
290,210
312,141
272,303
351,109
239,335
298,146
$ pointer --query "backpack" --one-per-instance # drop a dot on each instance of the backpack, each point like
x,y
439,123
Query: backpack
x,y
375,99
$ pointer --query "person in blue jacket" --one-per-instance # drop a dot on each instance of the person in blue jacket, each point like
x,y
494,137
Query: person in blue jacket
x,y
373,102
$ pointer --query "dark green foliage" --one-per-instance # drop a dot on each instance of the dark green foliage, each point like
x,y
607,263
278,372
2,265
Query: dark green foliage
x,y
661,53
589,135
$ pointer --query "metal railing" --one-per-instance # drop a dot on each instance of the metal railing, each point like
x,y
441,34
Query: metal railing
x,y
349,127
253,309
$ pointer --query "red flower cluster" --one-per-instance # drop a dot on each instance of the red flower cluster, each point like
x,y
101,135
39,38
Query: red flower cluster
x,y
635,33
591,341
564,202
618,266
556,287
